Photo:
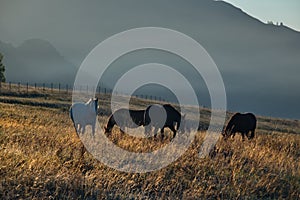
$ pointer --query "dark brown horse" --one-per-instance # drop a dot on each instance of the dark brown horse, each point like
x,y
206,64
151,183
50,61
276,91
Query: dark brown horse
x,y
162,116
242,123
125,118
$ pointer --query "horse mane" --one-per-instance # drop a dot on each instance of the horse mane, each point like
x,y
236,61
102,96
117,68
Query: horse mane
x,y
92,101
231,121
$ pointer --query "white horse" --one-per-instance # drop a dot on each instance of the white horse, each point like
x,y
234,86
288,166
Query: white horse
x,y
83,114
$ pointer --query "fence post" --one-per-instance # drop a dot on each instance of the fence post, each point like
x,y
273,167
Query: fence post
x,y
58,87
104,90
87,89
43,86
19,85
9,86
67,88
51,87
0,85
34,86
99,89
27,87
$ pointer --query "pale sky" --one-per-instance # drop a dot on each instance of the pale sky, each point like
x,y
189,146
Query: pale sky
x,y
286,11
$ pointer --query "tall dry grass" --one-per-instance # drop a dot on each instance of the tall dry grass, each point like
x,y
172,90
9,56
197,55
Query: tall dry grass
x,y
41,157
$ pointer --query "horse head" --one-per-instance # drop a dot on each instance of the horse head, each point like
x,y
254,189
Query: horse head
x,y
107,129
93,104
226,132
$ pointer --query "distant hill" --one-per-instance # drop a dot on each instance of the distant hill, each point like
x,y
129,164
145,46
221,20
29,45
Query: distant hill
x,y
259,62
38,61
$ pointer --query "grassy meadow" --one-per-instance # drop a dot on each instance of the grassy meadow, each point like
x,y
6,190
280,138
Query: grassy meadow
x,y
41,157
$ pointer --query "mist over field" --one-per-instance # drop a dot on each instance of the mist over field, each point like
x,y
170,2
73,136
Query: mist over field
x,y
46,41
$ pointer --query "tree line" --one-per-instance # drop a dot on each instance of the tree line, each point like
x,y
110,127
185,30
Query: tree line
x,y
2,69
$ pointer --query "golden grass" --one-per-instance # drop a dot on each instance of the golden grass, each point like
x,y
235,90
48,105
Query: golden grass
x,y
41,158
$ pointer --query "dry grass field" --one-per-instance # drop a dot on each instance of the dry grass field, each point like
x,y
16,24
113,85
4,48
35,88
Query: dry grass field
x,y
41,157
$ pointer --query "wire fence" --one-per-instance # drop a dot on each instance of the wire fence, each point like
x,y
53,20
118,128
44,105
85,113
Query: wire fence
x,y
60,88
65,91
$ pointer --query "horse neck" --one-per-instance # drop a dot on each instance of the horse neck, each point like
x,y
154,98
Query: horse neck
x,y
229,125
111,122
96,106
92,105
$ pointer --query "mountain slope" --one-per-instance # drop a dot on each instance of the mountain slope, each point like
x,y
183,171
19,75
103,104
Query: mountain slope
x,y
36,60
259,62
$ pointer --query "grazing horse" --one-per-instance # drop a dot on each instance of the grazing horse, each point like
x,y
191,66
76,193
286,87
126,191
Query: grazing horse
x,y
242,123
83,114
120,117
162,116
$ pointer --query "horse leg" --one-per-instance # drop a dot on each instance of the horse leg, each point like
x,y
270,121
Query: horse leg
x,y
162,132
174,131
225,134
93,129
83,128
147,130
232,135
122,129
76,127
252,134
243,136
155,131
79,128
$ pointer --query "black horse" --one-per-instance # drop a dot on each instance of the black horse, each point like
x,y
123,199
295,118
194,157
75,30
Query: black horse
x,y
242,123
162,116
134,120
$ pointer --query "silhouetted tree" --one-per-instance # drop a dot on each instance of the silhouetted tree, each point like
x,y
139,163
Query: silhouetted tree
x,y
2,69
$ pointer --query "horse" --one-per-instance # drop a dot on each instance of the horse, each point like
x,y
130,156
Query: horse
x,y
162,116
83,114
242,123
136,119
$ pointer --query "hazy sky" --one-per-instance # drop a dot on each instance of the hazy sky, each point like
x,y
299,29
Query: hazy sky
x,y
286,11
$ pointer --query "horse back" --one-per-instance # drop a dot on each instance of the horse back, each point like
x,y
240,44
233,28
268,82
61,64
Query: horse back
x,y
137,116
245,121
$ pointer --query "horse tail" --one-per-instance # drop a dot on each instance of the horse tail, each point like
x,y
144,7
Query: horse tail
x,y
177,124
72,117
